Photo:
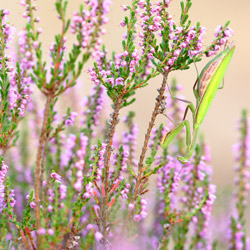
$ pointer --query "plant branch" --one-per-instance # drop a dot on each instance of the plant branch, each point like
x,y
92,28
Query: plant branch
x,y
113,122
139,178
39,157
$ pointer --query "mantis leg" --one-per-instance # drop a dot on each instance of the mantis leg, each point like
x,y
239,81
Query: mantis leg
x,y
168,137
192,108
170,119
190,148
176,98
195,90
222,86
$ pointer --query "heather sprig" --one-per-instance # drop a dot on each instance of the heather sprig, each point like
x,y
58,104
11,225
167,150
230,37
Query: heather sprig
x,y
93,106
94,186
174,46
120,75
59,79
14,92
237,233
7,202
130,139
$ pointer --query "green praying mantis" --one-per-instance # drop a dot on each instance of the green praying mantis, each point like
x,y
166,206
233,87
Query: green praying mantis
x,y
205,88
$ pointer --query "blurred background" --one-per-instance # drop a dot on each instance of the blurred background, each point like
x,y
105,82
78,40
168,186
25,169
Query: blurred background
x,y
219,126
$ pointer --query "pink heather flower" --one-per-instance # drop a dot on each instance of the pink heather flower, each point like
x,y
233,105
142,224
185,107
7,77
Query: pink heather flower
x,y
63,191
50,231
6,12
98,236
78,186
177,52
23,3
119,81
171,36
137,217
131,206
25,15
40,30
223,41
143,214
191,34
50,208
210,53
56,176
68,123
124,7
41,231
228,32
183,45
124,63
35,44
178,30
73,116
171,61
122,23
217,30
32,204
150,56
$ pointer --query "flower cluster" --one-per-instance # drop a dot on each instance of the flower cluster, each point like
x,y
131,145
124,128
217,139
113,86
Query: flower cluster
x,y
142,210
125,191
98,161
80,163
68,149
26,44
180,43
169,177
3,172
91,182
15,96
237,235
120,160
93,106
125,61
129,138
90,191
222,35
85,23
69,119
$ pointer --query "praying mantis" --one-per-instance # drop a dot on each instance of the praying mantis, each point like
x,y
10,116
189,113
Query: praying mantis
x,y
205,88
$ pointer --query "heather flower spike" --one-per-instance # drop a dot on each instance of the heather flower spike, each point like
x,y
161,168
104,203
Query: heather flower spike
x,y
74,177
237,232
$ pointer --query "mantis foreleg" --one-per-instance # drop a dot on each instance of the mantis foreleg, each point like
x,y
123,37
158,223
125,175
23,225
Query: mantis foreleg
x,y
222,85
176,98
174,132
192,108
190,142
190,148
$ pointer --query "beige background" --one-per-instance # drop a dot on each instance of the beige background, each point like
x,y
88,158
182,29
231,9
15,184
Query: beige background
x,y
220,123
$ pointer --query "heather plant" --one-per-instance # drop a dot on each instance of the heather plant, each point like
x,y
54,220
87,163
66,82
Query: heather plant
x,y
90,187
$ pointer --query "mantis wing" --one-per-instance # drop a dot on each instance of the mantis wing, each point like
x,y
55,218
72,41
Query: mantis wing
x,y
212,86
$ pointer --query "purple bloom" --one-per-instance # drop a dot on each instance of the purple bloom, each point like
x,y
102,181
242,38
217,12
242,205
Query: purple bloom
x,y
32,204
68,122
41,231
50,231
3,172
98,236
119,81
56,176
